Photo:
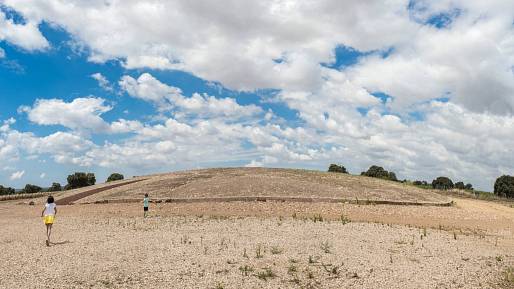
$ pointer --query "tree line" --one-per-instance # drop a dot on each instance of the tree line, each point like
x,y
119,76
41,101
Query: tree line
x,y
503,186
75,181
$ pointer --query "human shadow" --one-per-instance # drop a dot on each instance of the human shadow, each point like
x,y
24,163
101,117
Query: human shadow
x,y
60,243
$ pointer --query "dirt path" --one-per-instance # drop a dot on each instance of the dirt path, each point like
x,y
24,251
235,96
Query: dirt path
x,y
73,198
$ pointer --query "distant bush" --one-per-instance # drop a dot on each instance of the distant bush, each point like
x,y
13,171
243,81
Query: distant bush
x,y
56,187
337,169
31,189
79,180
6,191
504,186
442,183
468,187
420,183
115,177
379,172
460,186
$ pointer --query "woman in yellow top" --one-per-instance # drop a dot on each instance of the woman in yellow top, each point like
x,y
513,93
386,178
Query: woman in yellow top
x,y
48,215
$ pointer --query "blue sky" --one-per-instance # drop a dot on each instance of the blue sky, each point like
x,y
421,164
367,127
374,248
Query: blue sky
x,y
408,86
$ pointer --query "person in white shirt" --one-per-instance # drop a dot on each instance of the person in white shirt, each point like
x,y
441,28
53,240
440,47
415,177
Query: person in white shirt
x,y
48,215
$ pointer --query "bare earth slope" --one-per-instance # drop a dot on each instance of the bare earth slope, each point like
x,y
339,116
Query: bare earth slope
x,y
249,182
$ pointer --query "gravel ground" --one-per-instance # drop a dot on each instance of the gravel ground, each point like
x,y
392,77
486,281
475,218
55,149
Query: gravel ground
x,y
111,246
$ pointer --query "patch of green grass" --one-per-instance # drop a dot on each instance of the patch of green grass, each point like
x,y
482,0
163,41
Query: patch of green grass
x,y
313,260
246,270
266,274
317,218
344,220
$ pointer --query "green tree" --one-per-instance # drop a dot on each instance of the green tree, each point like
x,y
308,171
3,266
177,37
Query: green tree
x,y
79,180
337,169
6,191
460,186
442,183
504,186
31,189
379,172
56,187
115,177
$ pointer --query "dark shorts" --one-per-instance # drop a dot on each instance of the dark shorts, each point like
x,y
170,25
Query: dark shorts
x,y
146,209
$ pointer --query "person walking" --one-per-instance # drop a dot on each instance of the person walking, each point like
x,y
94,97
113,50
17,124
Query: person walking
x,y
48,215
146,200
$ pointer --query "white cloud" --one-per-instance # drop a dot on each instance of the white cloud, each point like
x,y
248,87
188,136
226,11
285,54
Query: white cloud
x,y
17,175
102,81
2,53
26,36
280,45
166,97
42,175
81,114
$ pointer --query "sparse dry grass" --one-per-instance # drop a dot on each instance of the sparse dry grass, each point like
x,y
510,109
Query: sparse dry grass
x,y
244,182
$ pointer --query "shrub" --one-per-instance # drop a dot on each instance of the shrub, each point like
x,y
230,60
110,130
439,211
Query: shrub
x,y
442,183
420,183
460,186
115,177
468,187
31,189
79,180
7,191
56,187
379,172
504,186
337,169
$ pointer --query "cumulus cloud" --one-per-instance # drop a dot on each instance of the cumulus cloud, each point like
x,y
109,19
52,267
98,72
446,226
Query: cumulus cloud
x,y
416,52
81,114
26,36
2,53
102,81
17,175
148,88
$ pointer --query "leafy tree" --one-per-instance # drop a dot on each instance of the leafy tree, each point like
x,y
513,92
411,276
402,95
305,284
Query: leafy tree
x,y
6,191
379,172
79,180
468,187
460,186
337,169
504,186
31,189
115,177
56,187
442,183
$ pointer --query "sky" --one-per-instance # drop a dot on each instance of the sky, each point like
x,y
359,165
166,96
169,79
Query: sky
x,y
421,88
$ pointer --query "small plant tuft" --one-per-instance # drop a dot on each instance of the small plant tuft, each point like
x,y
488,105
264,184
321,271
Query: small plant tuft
x,y
275,250
266,274
326,247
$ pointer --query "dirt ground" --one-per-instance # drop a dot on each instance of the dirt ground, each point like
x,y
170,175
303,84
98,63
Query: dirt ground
x,y
244,182
259,245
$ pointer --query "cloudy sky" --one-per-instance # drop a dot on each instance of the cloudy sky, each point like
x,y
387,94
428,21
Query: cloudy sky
x,y
423,88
